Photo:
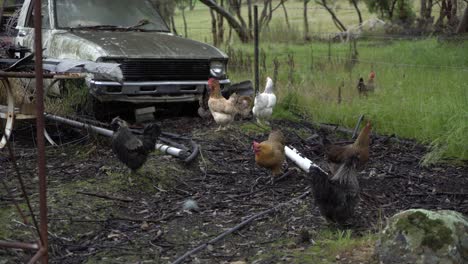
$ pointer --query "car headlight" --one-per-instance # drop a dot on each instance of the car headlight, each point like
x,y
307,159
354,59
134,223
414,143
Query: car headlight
x,y
217,69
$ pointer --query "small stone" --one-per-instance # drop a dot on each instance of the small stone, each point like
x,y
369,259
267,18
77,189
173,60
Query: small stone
x,y
337,257
210,247
145,226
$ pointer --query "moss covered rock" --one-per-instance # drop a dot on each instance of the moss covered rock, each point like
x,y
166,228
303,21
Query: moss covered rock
x,y
423,236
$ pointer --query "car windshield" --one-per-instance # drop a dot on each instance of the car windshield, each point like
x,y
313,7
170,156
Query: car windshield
x,y
109,14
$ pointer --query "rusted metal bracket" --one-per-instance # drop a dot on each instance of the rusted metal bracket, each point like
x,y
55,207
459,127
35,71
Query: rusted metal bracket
x,y
9,113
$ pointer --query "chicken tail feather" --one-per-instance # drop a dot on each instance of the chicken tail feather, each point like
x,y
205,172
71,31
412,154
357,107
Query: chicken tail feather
x,y
150,134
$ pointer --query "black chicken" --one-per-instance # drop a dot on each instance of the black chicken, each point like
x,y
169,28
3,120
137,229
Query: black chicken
x,y
336,195
131,149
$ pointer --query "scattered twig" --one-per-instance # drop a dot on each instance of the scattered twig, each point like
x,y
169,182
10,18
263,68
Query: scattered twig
x,y
115,218
106,196
437,193
15,202
237,227
23,189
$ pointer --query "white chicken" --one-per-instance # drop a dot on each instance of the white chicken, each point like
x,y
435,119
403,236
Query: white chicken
x,y
264,103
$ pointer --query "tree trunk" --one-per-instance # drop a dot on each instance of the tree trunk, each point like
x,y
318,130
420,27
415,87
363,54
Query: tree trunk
x,y
185,22
249,14
392,9
306,21
174,30
285,14
214,32
220,26
192,4
442,14
463,25
337,22
241,30
453,19
357,11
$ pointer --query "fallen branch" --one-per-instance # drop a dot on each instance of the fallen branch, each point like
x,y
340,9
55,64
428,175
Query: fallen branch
x,y
105,196
115,218
237,227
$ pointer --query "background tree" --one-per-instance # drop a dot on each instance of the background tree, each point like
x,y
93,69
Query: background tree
x,y
392,10
306,21
463,26
233,15
182,5
325,4
167,9
358,11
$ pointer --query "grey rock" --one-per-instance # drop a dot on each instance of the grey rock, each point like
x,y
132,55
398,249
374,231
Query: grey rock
x,y
419,236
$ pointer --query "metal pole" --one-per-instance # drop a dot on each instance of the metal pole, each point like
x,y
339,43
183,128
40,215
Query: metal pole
x,y
41,160
256,55
108,133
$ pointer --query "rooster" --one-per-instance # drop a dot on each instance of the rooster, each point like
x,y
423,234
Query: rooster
x,y
223,110
365,88
336,195
264,103
270,154
338,155
130,149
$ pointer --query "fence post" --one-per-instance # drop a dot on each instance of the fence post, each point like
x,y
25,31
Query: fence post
x,y
339,92
257,82
276,64
311,57
329,48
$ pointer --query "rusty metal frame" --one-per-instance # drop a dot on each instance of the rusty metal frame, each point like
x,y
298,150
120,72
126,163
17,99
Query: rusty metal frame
x,y
42,245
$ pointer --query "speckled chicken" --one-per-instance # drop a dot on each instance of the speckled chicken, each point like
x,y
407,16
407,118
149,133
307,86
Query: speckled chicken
x,y
337,194
131,149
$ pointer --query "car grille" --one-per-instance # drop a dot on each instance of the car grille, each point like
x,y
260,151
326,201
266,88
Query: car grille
x,y
165,70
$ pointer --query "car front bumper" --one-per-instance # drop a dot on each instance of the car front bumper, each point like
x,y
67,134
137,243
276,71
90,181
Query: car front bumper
x,y
150,92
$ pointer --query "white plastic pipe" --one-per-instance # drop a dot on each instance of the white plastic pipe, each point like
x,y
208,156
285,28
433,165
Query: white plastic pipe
x,y
302,162
108,133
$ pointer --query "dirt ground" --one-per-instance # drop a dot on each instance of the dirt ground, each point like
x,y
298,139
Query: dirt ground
x,y
142,221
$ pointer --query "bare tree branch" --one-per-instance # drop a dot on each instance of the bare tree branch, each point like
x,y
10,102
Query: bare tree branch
x,y
337,22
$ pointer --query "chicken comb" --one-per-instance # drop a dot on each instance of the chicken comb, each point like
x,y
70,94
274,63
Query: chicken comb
x,y
372,75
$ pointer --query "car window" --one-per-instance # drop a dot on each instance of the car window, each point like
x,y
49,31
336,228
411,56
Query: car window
x,y
45,16
109,13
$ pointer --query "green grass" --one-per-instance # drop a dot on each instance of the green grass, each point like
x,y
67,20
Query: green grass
x,y
328,244
421,85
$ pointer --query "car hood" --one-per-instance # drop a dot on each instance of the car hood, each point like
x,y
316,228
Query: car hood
x,y
92,45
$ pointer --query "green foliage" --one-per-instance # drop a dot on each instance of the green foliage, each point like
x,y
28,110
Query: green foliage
x,y
394,10
328,244
73,98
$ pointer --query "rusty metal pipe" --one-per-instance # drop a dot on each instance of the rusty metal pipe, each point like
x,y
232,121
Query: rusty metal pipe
x,y
6,244
25,74
40,126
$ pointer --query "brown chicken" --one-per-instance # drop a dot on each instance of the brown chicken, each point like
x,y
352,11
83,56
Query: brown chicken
x,y
224,110
270,154
338,155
